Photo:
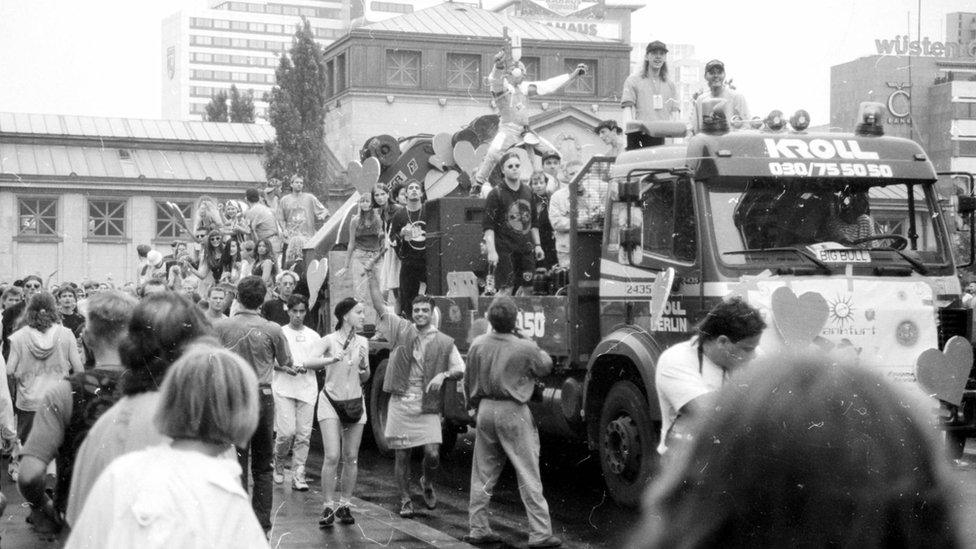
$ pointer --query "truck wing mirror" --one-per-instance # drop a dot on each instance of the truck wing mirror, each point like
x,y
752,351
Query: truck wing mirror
x,y
629,191
966,204
630,237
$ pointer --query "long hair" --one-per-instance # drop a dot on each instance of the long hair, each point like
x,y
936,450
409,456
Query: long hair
x,y
663,73
41,312
803,451
162,325
226,258
212,256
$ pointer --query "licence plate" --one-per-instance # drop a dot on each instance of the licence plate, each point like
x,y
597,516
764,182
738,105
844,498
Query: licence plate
x,y
845,256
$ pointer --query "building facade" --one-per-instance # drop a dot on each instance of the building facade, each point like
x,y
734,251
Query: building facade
x,y
936,108
239,43
426,72
79,194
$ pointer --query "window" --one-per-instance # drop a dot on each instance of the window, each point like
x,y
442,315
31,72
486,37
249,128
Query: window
x,y
169,225
964,111
38,216
967,148
106,218
340,74
463,71
391,7
403,68
238,25
532,68
221,24
669,220
330,88
586,84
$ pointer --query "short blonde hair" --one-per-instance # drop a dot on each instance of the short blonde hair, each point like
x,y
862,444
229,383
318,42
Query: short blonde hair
x,y
209,394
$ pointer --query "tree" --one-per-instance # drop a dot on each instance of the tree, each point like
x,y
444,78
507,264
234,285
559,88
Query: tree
x,y
241,106
297,111
216,110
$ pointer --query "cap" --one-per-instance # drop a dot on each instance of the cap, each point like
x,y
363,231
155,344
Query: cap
x,y
550,154
714,63
656,45
608,124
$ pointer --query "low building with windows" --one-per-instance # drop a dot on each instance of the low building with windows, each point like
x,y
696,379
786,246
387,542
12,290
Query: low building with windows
x,y
425,72
79,194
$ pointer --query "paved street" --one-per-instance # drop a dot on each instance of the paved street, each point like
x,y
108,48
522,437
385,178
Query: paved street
x,y
581,514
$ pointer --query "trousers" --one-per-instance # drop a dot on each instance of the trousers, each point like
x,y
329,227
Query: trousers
x,y
293,429
506,429
259,453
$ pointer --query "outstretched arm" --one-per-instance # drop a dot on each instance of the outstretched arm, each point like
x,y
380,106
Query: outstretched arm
x,y
554,84
374,290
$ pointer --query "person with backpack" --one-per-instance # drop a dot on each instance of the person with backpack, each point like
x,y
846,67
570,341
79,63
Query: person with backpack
x,y
71,407
161,328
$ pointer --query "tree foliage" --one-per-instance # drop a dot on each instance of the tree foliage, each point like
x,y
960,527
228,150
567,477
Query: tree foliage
x,y
241,106
297,111
216,110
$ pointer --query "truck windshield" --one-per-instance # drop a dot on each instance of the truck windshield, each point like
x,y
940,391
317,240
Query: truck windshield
x,y
752,214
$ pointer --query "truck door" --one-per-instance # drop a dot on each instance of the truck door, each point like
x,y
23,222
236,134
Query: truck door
x,y
668,240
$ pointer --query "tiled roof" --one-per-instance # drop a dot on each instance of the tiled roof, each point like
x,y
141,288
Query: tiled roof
x,y
44,160
464,20
133,128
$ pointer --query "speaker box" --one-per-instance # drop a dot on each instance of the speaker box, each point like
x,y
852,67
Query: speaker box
x,y
453,238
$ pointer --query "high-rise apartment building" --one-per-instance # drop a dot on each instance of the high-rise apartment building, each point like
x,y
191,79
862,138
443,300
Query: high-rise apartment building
x,y
961,27
207,50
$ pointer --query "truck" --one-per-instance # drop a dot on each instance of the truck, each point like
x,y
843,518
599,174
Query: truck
x,y
839,239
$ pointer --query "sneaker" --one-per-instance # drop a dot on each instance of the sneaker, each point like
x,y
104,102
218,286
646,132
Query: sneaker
x,y
328,518
430,498
279,473
551,541
345,515
487,539
406,508
298,481
14,470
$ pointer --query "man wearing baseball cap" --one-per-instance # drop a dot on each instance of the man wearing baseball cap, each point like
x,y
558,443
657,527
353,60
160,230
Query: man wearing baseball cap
x,y
649,95
735,102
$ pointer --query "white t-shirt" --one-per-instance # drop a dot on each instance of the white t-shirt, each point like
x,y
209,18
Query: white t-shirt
x,y
302,386
163,497
678,381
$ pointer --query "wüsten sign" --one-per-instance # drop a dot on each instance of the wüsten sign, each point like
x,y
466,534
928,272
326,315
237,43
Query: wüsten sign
x,y
903,45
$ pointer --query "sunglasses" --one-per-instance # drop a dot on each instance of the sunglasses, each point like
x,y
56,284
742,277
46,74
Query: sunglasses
x,y
32,286
215,239
199,236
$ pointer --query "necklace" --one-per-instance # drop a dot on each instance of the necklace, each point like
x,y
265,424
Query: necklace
x,y
410,218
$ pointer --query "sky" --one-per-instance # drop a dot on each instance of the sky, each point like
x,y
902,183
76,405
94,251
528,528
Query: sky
x,y
103,58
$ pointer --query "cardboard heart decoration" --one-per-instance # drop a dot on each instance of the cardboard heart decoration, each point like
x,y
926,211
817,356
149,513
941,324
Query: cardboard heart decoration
x,y
438,184
354,172
443,149
464,155
315,277
798,319
943,374
481,152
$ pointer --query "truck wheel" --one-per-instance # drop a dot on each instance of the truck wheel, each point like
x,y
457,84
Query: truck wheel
x,y
628,441
378,403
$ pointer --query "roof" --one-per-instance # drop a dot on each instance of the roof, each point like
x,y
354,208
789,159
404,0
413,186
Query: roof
x,y
468,21
45,160
63,125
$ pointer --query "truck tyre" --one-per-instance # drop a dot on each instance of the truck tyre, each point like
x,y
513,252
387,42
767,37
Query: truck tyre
x,y
379,400
628,443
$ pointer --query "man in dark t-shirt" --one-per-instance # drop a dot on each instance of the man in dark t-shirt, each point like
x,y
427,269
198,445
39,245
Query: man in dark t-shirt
x,y
408,236
511,228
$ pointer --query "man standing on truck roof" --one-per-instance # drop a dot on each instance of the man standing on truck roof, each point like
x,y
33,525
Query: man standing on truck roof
x,y
502,368
421,359
735,102
511,228
726,340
